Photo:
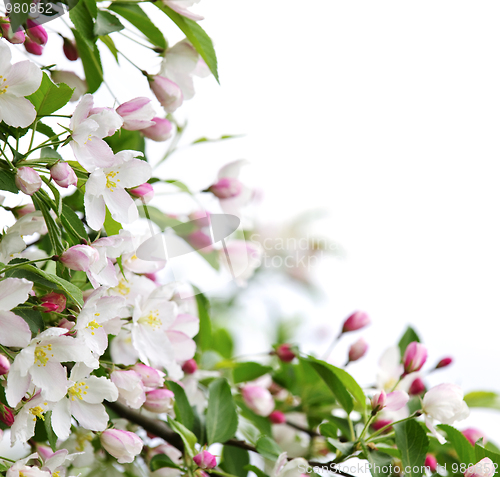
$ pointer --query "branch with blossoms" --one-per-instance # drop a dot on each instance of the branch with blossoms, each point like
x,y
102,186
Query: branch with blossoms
x,y
112,358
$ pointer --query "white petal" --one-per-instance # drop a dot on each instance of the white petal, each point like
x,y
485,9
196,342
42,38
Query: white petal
x,y
232,169
14,291
82,110
95,211
16,112
100,389
90,416
24,78
51,379
17,386
121,205
188,324
134,172
5,59
61,419
183,346
15,331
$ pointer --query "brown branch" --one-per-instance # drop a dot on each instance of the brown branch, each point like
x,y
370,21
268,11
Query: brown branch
x,y
303,429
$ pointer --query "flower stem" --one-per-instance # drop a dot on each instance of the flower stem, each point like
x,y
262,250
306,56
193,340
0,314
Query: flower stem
x,y
380,431
12,358
330,348
28,262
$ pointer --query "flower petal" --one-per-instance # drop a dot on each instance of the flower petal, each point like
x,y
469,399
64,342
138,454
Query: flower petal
x,y
16,112
90,416
61,419
24,78
51,379
100,389
95,211
15,331
121,205
134,172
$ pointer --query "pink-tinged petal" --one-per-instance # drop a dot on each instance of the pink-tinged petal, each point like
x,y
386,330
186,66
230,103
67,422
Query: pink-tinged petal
x,y
95,339
99,389
151,345
95,211
396,400
134,173
24,78
178,7
90,416
430,425
100,151
121,206
109,121
16,112
66,348
183,346
82,110
188,324
61,419
51,379
15,331
84,131
232,169
17,386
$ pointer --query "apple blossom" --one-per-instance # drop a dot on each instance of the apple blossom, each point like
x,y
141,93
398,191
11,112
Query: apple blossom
x,y
286,468
63,174
244,258
16,82
285,353
258,399
167,93
226,188
145,192
159,401
160,131
6,415
136,114
106,187
277,417
356,321
390,402
484,468
190,366
4,365
130,388
358,349
36,32
473,435
27,179
15,38
79,257
32,47
123,445
72,80
414,357
205,460
20,469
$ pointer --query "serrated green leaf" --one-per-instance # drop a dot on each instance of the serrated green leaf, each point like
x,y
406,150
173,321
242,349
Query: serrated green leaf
x,y
160,461
91,60
462,446
329,429
106,23
485,399
204,337
50,97
187,436
249,371
234,461
222,419
481,453
182,408
268,448
108,41
413,443
73,225
82,16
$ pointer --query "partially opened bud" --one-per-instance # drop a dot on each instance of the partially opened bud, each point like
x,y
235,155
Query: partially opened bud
x,y
284,353
444,362
63,174
380,424
22,210
4,365
415,357
417,387
79,257
37,33
226,188
28,180
258,399
32,47
159,401
358,320
473,435
14,38
484,468
160,131
167,92
358,350
123,445
277,417
390,402
205,460
70,50
190,366
150,377
6,415
431,462
130,387
199,240
144,192
137,114
57,299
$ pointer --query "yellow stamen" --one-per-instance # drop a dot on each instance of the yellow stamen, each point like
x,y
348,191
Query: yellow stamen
x,y
152,319
41,356
76,390
38,411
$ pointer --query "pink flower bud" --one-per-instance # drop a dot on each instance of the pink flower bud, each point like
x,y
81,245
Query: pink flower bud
x,y
48,307
358,350
484,468
69,49
205,460
32,47
123,445
79,257
277,417
381,423
37,33
150,377
63,174
167,92
144,191
4,365
14,38
6,415
226,188
159,400
414,357
64,323
199,240
285,353
473,435
57,299
137,114
130,387
258,399
160,131
358,320
431,462
190,366
28,180
444,362
44,452
417,387
391,402
23,210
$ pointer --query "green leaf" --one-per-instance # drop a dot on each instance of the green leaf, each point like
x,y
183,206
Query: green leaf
x,y
43,203
52,438
462,446
221,420
204,337
111,226
249,371
134,14
19,13
377,461
7,181
485,399
106,23
221,138
481,453
30,316
73,225
160,461
223,342
263,424
196,35
46,131
268,448
258,472
409,336
91,60
82,15
235,460
127,140
182,408
187,436
108,41
50,97
329,429
413,443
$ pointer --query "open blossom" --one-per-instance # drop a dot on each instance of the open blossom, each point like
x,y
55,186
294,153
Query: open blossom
x,y
444,403
390,402
83,402
106,187
24,423
15,331
130,388
258,399
16,82
484,468
20,469
415,357
89,126
40,363
27,179
137,114
123,445
286,468
167,93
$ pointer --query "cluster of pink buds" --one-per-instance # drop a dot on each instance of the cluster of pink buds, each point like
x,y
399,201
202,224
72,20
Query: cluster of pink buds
x,y
34,40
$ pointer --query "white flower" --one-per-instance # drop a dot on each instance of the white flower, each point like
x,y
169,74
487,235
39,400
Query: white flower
x,y
293,468
20,469
484,468
16,82
15,331
83,402
89,126
445,403
106,187
40,363
131,286
57,462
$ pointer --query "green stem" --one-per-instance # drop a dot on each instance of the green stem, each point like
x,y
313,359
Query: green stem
x,y
12,358
29,262
332,345
380,431
33,134
367,425
7,459
396,385
351,428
